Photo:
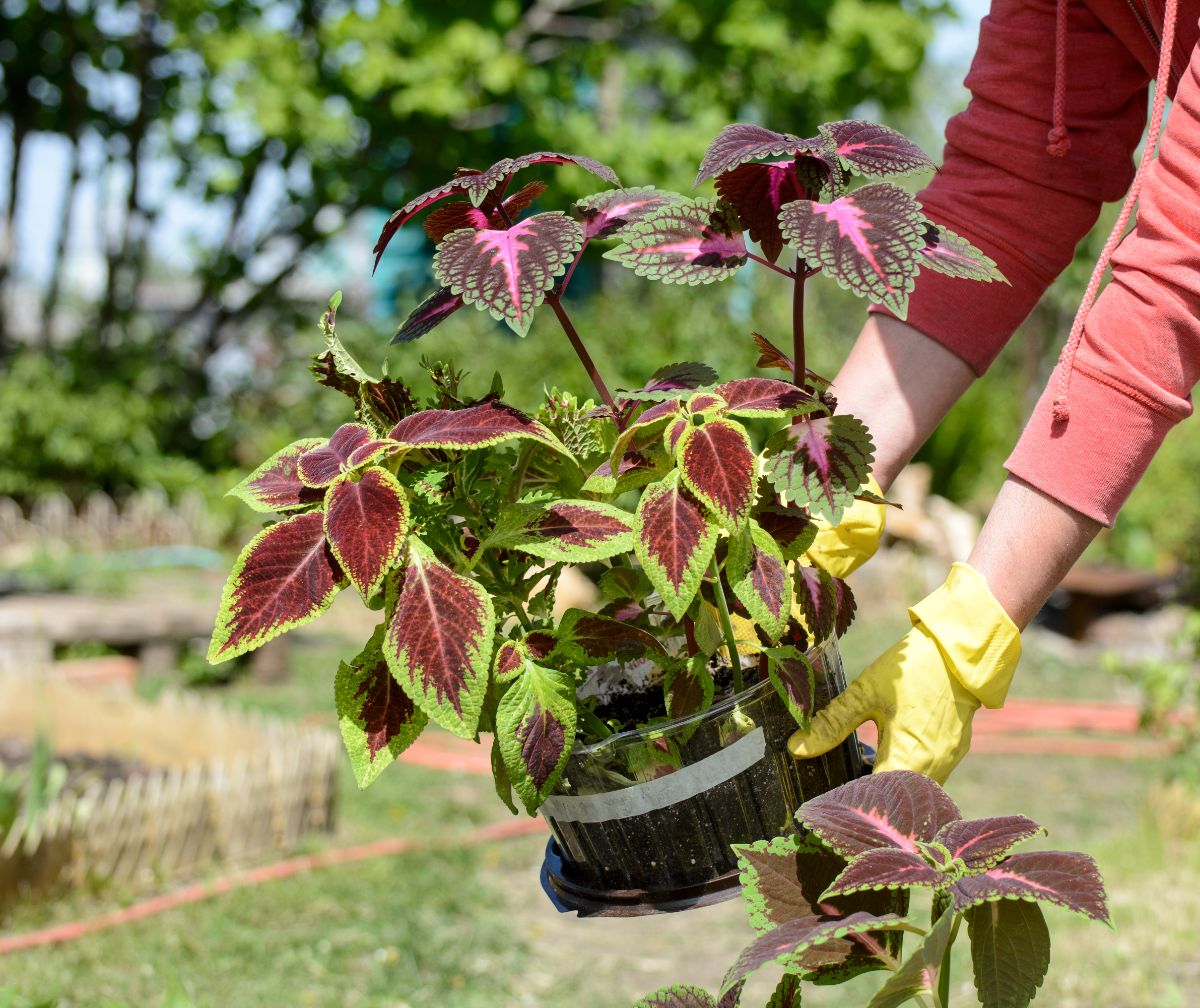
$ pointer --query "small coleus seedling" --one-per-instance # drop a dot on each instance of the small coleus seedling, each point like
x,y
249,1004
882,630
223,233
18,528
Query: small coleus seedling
x,y
454,517
832,902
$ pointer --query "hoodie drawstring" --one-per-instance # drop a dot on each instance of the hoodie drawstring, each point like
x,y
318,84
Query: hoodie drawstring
x,y
1057,141
1161,82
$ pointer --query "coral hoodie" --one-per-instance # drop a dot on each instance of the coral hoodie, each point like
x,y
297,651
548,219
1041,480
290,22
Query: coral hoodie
x,y
1139,355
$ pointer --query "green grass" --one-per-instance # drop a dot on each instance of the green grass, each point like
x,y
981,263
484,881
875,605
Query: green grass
x,y
457,927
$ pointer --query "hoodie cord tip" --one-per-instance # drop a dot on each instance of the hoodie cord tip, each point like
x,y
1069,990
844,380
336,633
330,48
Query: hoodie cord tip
x,y
1062,412
1058,142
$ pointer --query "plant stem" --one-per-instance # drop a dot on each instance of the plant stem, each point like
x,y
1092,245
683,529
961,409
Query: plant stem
x,y
799,372
689,633
571,271
770,265
593,723
735,661
584,357
944,973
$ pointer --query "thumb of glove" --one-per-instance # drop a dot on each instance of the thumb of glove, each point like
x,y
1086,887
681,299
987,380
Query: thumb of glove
x,y
833,724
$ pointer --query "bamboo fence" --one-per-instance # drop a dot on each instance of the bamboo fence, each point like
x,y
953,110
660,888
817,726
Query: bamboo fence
x,y
261,788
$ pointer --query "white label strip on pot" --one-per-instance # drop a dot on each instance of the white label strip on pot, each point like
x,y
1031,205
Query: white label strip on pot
x,y
658,794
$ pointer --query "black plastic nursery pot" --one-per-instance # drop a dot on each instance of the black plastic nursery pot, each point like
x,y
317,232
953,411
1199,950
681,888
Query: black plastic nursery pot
x,y
642,822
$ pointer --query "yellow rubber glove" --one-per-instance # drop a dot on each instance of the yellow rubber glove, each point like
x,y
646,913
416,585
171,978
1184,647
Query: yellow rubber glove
x,y
853,542
923,691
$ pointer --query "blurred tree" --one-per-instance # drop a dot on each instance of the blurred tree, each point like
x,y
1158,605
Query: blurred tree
x,y
277,120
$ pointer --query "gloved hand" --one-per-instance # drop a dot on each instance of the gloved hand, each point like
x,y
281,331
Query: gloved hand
x,y
924,690
854,541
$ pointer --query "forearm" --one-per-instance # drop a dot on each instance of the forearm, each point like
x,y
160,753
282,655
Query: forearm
x,y
900,384
1027,545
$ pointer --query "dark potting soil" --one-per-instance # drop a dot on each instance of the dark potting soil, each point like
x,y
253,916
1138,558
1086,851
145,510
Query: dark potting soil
x,y
631,707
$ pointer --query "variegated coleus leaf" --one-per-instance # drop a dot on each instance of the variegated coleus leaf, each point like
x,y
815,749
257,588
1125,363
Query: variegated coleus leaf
x,y
642,430
770,356
826,602
694,242
511,655
794,679
285,576
886,868
678,996
869,241
535,729
577,531
605,213
758,576
688,688
478,187
945,252
378,720
787,992
636,469
741,142
481,425
791,528
351,446
366,521
872,150
1066,878
820,463
674,542
461,214
766,398
718,465
428,315
920,972
759,191
439,642
896,808
671,379
807,943
1010,951
507,272
586,638
980,843
275,485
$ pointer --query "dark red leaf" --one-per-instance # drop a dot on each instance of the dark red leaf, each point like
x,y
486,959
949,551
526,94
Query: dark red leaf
x,y
285,576
886,868
770,356
980,843
874,151
460,214
688,688
604,214
692,243
673,378
674,542
868,240
678,996
389,399
765,397
275,485
806,943
366,521
758,575
350,446
481,425
535,730
577,532
758,192
718,465
741,142
439,642
817,597
844,606
378,720
1066,878
787,992
595,639
791,528
510,661
507,272
891,809
428,315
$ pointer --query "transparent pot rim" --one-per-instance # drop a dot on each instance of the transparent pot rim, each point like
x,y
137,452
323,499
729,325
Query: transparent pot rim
x,y
633,736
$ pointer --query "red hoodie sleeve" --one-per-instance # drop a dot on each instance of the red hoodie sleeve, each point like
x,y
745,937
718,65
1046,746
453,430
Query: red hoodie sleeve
x,y
1140,353
1000,189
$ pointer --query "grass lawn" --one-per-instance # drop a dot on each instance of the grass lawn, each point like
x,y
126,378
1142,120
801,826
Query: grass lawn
x,y
452,927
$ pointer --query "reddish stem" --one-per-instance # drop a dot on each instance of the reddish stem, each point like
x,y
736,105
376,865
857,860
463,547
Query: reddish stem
x,y
571,272
585,358
770,265
799,372
689,632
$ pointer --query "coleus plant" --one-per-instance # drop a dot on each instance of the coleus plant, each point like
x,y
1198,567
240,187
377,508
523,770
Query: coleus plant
x,y
810,899
455,515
